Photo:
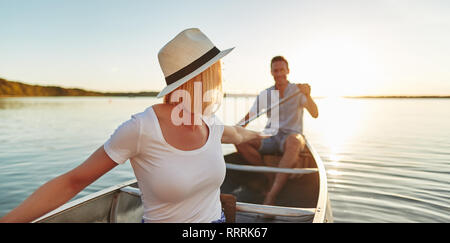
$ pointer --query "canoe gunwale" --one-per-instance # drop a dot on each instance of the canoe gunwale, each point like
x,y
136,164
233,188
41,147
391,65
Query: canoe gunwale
x,y
82,201
322,201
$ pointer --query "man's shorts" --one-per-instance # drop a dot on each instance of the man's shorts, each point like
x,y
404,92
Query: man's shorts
x,y
274,144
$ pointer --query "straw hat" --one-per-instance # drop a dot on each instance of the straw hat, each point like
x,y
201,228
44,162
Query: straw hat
x,y
186,56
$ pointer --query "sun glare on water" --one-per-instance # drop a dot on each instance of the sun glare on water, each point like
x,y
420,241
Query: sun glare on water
x,y
339,120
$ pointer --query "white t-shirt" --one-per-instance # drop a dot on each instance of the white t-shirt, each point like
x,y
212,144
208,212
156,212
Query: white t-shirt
x,y
176,185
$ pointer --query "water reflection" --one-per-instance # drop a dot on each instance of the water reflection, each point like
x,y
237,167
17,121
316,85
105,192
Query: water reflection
x,y
387,160
10,103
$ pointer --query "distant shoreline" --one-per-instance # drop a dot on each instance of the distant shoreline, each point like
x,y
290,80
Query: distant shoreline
x,y
10,89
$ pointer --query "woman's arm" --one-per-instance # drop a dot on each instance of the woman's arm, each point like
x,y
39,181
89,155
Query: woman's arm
x,y
238,135
58,191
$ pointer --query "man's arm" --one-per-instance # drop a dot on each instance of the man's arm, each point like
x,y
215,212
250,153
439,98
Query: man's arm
x,y
310,105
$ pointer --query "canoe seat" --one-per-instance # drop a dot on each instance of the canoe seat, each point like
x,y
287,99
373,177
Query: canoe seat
x,y
230,207
274,210
251,168
305,160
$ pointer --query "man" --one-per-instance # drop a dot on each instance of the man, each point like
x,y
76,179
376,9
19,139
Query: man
x,y
288,140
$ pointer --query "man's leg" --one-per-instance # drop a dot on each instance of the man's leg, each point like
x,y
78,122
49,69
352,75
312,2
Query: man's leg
x,y
249,150
294,144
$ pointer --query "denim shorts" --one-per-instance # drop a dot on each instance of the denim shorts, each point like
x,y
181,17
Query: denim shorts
x,y
274,144
221,220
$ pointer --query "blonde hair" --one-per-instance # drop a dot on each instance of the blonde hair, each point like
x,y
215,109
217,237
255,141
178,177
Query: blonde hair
x,y
211,80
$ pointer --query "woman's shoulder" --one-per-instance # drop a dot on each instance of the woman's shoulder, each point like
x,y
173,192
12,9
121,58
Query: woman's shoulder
x,y
149,116
162,111
162,107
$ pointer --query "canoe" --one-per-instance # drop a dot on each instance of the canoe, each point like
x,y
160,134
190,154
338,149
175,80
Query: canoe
x,y
304,198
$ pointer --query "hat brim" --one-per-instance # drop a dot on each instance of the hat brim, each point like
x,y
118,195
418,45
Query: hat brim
x,y
171,87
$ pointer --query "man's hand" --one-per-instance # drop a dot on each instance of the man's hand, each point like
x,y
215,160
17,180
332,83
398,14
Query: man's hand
x,y
305,89
310,105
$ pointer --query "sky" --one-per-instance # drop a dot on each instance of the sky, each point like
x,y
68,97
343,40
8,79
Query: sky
x,y
378,47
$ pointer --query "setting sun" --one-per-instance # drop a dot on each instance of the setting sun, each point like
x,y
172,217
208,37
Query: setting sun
x,y
337,66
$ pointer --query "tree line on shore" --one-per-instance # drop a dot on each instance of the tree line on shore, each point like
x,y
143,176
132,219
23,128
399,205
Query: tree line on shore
x,y
18,89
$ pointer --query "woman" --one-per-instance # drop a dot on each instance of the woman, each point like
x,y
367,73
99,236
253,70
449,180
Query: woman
x,y
174,147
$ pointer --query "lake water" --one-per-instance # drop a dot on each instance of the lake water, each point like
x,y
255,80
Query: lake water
x,y
387,160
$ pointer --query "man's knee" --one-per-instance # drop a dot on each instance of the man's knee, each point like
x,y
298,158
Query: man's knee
x,y
294,142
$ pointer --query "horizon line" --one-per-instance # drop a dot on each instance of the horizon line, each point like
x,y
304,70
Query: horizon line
x,y
231,94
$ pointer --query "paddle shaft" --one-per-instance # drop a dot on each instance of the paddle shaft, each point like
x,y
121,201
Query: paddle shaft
x,y
243,123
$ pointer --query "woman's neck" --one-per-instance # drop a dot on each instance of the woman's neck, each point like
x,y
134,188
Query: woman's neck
x,y
192,120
